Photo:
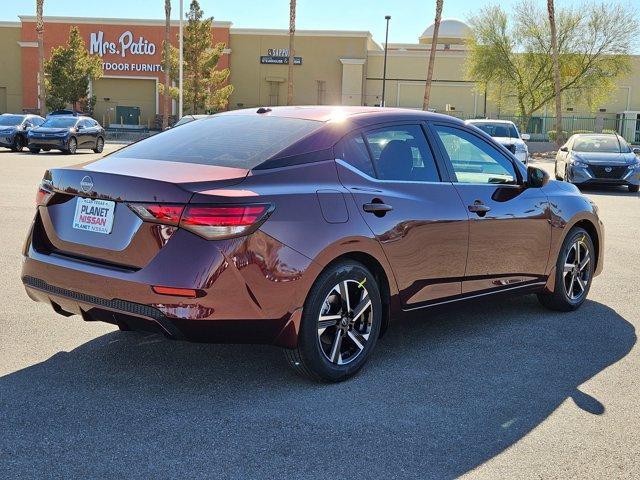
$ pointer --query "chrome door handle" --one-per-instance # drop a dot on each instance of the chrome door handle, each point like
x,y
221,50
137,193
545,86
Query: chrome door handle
x,y
479,208
377,207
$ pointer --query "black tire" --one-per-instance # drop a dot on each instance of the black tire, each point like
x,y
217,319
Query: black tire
x,y
634,188
72,146
34,150
46,149
310,358
18,144
559,299
99,145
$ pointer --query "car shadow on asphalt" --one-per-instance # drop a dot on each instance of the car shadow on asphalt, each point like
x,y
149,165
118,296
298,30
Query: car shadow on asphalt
x,y
443,393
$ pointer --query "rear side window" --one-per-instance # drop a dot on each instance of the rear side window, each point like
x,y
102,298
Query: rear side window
x,y
402,153
240,141
354,151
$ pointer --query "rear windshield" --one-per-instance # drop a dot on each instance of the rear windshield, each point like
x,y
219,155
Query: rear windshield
x,y
497,129
59,122
11,119
604,144
240,141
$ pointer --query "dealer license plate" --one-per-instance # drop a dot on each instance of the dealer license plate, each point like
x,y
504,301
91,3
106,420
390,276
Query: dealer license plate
x,y
94,215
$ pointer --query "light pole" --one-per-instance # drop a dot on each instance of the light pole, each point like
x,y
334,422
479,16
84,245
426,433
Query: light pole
x,y
384,68
181,47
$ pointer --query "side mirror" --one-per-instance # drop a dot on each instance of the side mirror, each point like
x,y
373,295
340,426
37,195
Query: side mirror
x,y
526,137
79,127
636,151
564,149
536,177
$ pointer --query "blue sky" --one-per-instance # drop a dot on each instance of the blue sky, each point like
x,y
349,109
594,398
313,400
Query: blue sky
x,y
409,17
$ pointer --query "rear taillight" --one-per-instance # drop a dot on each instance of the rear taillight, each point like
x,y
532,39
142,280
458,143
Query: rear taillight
x,y
43,195
208,221
214,221
166,214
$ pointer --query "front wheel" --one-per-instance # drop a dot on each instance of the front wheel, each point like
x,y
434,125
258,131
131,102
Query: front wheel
x,y
634,188
99,145
574,272
340,324
18,144
72,147
34,150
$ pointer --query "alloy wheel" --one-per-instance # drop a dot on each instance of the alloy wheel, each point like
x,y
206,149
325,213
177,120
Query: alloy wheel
x,y
576,273
345,321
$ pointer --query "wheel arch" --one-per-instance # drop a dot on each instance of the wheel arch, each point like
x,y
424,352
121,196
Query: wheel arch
x,y
591,229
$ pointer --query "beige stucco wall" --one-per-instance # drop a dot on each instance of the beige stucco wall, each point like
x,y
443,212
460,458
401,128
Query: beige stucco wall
x,y
126,92
10,68
320,54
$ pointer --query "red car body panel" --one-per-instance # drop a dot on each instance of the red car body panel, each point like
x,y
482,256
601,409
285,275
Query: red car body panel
x,y
429,250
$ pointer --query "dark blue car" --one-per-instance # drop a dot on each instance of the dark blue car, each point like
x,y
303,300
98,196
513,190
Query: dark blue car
x,y
14,129
67,132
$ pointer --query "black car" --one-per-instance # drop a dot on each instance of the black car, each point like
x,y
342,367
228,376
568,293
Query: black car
x,y
67,132
14,128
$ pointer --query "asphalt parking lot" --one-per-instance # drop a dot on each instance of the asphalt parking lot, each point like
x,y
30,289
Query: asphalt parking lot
x,y
496,389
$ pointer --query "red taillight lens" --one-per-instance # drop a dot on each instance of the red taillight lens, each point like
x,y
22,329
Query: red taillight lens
x,y
165,214
43,195
217,221
208,221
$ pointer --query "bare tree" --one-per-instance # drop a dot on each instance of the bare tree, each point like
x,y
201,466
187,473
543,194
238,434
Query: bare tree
x,y
432,54
40,34
556,71
167,64
292,32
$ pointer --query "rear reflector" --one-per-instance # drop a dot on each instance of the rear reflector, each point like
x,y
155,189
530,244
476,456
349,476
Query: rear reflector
x,y
176,292
209,221
217,221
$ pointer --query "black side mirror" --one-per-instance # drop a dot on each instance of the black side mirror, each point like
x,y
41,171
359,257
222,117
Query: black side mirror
x,y
79,127
564,149
536,177
636,151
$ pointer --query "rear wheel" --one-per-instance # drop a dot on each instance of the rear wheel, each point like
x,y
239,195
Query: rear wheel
x,y
340,324
634,188
99,145
574,272
72,147
34,150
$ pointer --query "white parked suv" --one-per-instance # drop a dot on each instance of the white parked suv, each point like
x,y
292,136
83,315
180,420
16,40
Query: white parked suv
x,y
507,134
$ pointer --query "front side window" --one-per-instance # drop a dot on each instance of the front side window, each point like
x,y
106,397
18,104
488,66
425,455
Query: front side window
x,y
354,151
473,159
402,153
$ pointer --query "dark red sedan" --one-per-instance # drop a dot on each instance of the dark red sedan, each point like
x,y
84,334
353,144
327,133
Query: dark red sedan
x,y
310,228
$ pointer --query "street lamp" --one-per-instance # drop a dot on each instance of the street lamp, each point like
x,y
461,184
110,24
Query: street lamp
x,y
384,68
181,47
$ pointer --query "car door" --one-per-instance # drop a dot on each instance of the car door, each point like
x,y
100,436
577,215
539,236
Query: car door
x,y
509,224
418,219
84,133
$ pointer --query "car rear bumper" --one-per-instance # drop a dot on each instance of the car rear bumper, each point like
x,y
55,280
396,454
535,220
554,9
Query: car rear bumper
x,y
244,299
620,175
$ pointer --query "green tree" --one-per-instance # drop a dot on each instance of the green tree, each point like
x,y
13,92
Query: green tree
x,y
513,54
68,73
204,87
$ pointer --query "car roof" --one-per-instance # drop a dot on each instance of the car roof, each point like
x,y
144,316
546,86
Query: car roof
x,y
330,113
488,120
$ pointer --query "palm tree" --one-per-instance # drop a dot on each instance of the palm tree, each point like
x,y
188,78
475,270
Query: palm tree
x,y
556,71
292,32
432,54
167,78
40,34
